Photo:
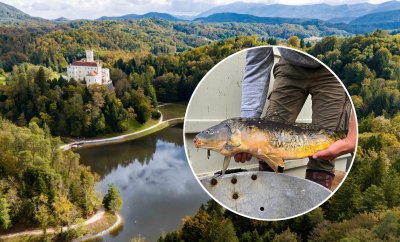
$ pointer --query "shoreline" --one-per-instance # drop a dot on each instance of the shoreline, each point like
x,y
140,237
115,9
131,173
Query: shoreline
x,y
122,138
117,223
94,218
162,124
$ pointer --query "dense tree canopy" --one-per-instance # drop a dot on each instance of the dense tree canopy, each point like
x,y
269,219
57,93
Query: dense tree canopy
x,y
41,185
57,45
71,108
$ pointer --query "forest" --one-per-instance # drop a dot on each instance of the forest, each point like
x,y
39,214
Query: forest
x,y
70,108
55,46
40,185
44,187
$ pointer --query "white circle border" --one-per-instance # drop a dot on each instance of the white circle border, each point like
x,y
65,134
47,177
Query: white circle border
x,y
234,211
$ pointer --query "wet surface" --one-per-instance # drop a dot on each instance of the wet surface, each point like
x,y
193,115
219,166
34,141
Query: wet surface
x,y
155,181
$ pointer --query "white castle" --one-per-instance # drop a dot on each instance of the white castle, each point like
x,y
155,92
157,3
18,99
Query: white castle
x,y
89,70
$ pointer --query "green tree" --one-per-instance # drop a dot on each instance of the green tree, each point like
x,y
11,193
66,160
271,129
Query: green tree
x,y
381,60
170,237
40,80
43,214
219,230
373,199
5,220
302,43
285,236
356,72
194,227
22,120
389,227
112,201
251,237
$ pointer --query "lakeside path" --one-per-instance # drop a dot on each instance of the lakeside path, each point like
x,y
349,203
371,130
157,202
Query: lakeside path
x,y
94,218
117,223
162,124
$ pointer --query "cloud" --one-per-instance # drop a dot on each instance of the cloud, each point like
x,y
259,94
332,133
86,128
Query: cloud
x,y
91,9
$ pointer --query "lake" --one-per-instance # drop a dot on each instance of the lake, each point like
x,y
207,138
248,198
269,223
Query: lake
x,y
155,181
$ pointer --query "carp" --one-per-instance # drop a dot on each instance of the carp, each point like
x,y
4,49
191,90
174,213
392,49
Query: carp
x,y
268,140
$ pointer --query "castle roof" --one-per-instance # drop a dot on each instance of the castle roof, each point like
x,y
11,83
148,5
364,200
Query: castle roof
x,y
93,73
85,63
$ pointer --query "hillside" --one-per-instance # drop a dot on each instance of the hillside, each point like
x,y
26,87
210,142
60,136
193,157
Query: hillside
x,y
9,13
392,16
164,16
319,11
247,18
280,21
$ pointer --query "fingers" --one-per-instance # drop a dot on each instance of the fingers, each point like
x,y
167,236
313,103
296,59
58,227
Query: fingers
x,y
238,157
242,157
325,155
248,157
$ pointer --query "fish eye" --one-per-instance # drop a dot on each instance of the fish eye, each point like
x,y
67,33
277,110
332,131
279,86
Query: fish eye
x,y
207,131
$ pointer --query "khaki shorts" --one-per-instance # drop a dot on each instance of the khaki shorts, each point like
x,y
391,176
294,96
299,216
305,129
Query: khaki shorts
x,y
330,105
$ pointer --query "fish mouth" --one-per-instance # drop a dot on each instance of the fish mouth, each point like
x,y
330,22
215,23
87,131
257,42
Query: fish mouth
x,y
197,142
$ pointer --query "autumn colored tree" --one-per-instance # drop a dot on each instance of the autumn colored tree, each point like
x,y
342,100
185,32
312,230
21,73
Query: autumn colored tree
x,y
294,41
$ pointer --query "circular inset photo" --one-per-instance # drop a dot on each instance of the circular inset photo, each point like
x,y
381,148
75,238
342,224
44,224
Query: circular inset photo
x,y
270,133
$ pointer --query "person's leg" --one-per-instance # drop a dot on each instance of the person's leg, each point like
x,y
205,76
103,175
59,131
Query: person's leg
x,y
289,93
329,111
259,62
287,97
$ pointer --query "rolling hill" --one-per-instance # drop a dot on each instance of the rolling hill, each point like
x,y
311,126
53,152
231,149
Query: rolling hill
x,y
247,18
378,18
330,19
9,14
341,13
157,15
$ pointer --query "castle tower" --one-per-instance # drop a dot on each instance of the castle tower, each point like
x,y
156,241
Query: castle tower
x,y
89,55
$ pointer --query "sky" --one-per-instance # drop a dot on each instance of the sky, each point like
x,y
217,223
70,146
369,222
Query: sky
x,y
91,9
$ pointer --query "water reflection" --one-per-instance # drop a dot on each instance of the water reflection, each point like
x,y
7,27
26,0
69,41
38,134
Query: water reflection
x,y
155,181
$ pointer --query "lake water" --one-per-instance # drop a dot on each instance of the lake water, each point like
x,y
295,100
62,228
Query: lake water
x,y
155,181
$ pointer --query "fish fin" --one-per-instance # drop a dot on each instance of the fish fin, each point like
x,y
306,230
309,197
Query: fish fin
x,y
274,162
229,146
234,141
226,164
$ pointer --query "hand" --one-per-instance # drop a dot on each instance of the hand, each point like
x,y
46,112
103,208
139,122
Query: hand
x,y
336,149
342,146
242,157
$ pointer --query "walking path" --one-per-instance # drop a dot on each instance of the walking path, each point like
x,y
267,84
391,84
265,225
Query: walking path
x,y
96,217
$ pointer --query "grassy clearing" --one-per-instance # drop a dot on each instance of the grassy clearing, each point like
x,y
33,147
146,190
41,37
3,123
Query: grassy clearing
x,y
134,125
57,75
104,223
136,136
169,111
173,110
2,80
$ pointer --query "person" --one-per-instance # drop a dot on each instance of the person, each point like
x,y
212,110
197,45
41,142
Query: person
x,y
296,76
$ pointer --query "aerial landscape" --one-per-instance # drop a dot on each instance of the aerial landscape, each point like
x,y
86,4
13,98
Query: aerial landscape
x,y
91,113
